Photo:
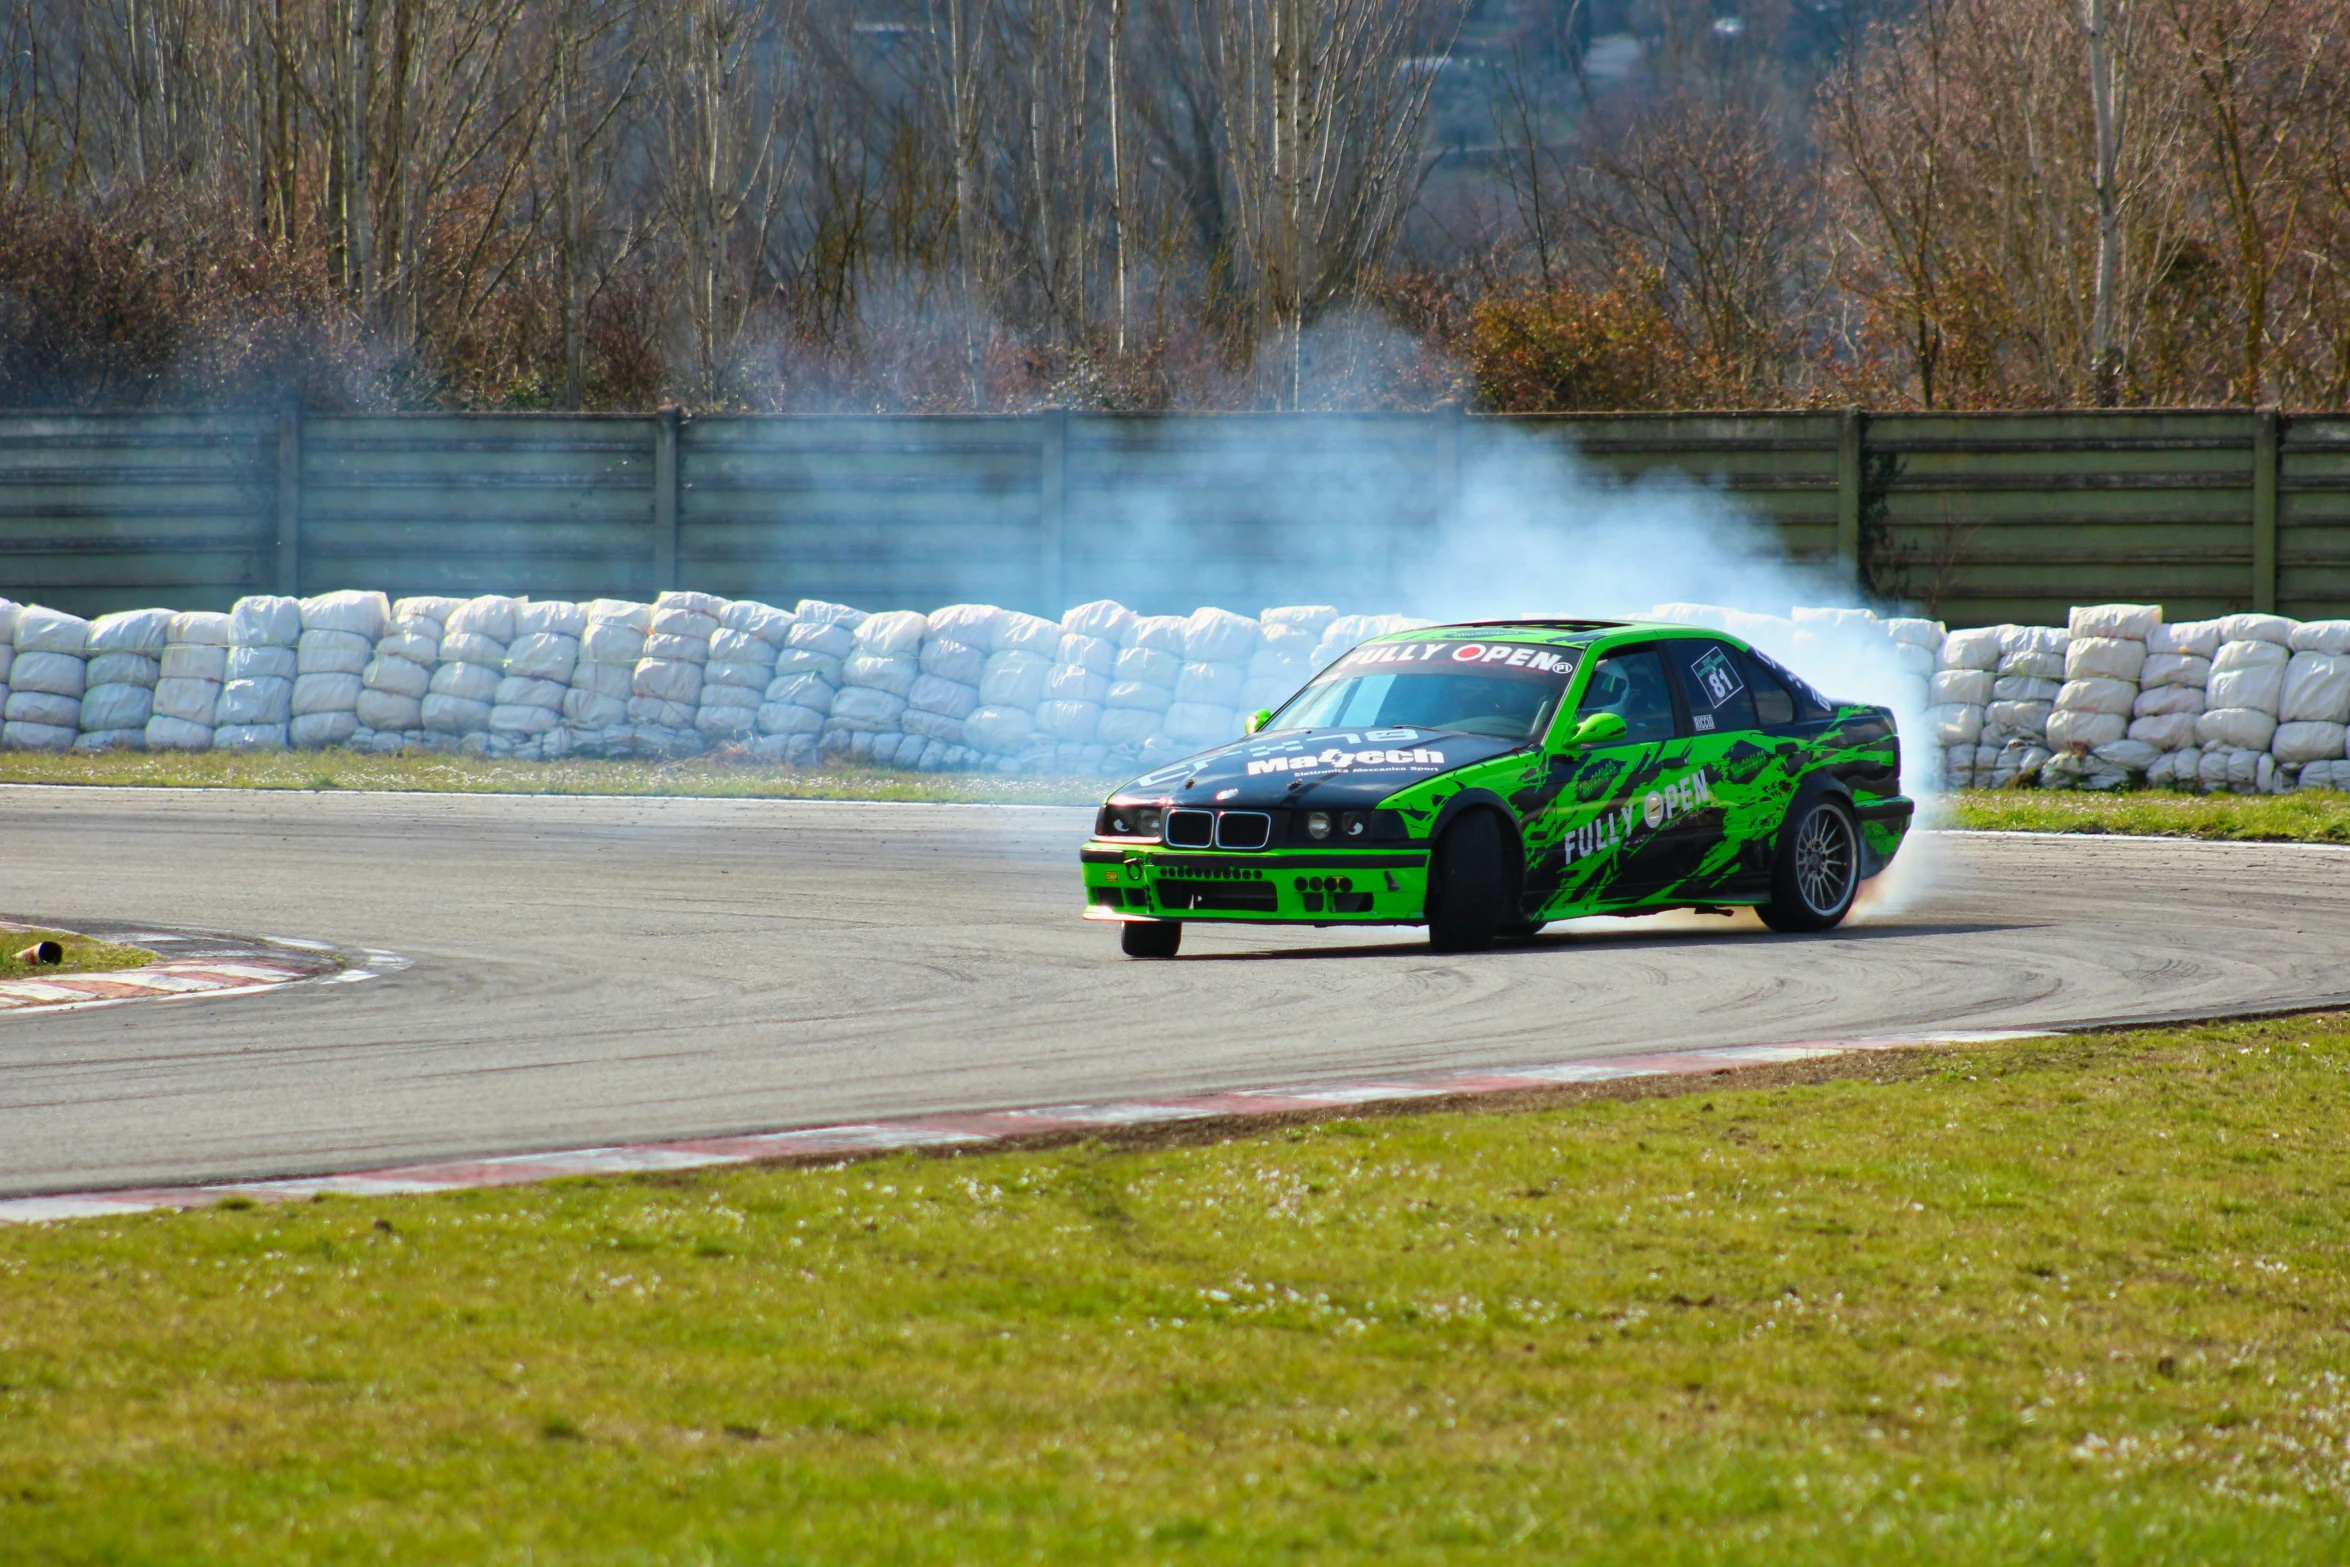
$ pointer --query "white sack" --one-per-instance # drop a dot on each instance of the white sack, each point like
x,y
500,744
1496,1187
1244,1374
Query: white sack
x,y
895,674
248,703
949,698
30,735
471,647
1128,726
829,638
2018,688
589,710
961,662
193,661
2033,665
1973,686
664,680
543,655
2198,637
333,653
40,629
1070,722
1911,632
2097,695
1018,633
522,691
2249,655
390,710
117,707
2025,718
2262,686
2109,658
1140,695
809,692
57,674
727,722
998,730
265,620
454,715
2248,728
2175,669
750,677
550,618
1151,666
1098,654
2307,741
466,682
1014,679
263,663
1218,636
130,631
818,612
397,676
2032,639
165,733
1075,683
1198,724
2085,731
932,726
617,642
690,603
782,718
43,707
2165,731
203,627
1159,633
2128,621
428,606
249,737
1103,618
604,679
1954,723
365,615
490,616
1975,649
195,701
2316,689
419,642
2255,628
317,731
864,707
729,646
897,634
2321,636
1207,685
2131,755
749,617
2159,701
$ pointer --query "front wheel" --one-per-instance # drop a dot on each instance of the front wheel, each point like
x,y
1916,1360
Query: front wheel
x,y
1468,886
1150,938
1816,873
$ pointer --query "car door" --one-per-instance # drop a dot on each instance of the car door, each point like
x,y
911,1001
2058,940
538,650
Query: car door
x,y
1704,803
1591,843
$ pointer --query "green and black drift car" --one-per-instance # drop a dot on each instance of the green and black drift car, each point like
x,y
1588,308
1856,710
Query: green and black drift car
x,y
1486,779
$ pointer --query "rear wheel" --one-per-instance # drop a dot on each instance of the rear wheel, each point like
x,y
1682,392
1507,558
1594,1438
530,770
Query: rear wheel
x,y
1150,938
1468,886
1817,870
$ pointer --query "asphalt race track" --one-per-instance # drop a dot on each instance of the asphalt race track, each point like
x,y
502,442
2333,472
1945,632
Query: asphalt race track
x,y
588,971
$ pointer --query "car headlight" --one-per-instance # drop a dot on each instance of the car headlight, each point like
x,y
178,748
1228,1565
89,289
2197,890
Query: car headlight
x,y
1129,821
1317,825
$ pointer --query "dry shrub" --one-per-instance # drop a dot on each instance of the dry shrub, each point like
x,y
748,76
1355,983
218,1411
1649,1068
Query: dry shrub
x,y
1565,348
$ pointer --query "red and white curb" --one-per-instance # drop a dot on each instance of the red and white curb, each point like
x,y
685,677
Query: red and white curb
x,y
188,966
977,1128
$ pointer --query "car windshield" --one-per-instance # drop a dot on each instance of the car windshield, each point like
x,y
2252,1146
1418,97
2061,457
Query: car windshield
x,y
1505,689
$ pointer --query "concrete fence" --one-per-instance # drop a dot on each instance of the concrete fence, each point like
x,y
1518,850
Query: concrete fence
x,y
1977,519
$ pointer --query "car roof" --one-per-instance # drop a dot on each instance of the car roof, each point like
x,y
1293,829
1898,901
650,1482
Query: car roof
x,y
1557,632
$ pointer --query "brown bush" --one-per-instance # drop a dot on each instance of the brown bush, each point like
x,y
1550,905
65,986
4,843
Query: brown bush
x,y
1564,349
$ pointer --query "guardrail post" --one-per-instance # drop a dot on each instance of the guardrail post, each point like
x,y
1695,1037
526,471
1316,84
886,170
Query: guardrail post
x,y
665,497
2264,510
1851,434
1052,504
288,572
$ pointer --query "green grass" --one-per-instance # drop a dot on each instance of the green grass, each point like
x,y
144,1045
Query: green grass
x,y
701,776
2077,1300
2316,817
83,954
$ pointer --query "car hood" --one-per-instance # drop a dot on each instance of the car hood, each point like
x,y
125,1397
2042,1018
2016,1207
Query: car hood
x,y
1341,769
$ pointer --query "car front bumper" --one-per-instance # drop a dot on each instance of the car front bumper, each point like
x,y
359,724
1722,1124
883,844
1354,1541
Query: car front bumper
x,y
1129,881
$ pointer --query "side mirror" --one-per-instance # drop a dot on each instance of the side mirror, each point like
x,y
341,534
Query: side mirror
x,y
1599,729
1259,719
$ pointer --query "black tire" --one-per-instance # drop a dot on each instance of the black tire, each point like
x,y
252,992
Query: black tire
x,y
1150,938
1816,873
1469,886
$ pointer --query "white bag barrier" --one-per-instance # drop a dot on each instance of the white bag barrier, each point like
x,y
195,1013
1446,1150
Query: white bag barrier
x,y
1218,636
110,707
2255,628
896,634
2316,689
2198,638
2097,695
265,620
2079,730
2305,740
45,708
145,631
30,735
2175,669
2162,701
2320,636
256,703
1019,633
40,629
2248,728
192,701
363,615
2109,658
490,617
2259,686
55,674
1973,687
2164,731
2131,622
1975,649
